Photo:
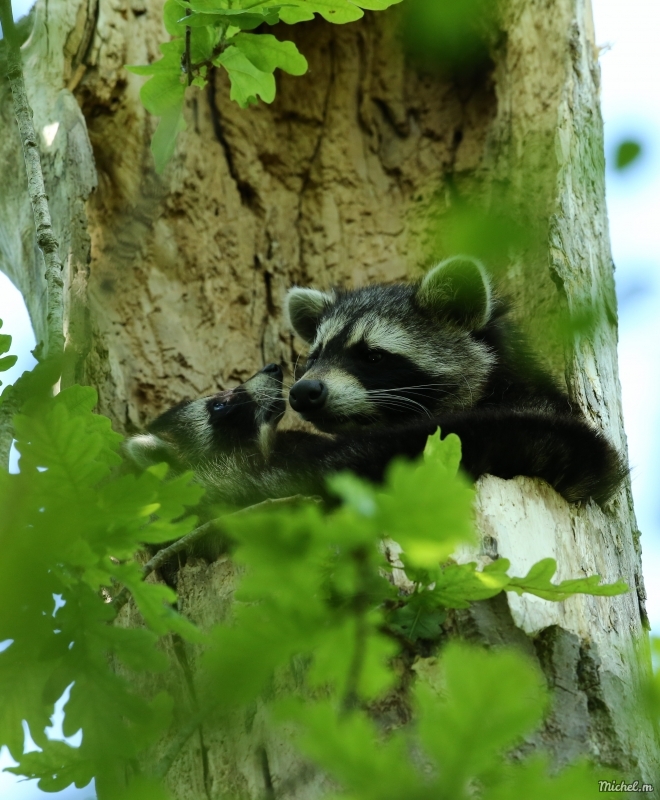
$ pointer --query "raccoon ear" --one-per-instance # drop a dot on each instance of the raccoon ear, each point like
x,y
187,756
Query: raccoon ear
x,y
305,308
147,449
459,289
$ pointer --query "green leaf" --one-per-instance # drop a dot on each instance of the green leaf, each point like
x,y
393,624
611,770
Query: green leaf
x,y
267,53
23,678
75,459
236,18
419,618
167,66
537,581
537,779
155,603
163,96
336,11
5,341
172,14
57,767
137,648
444,453
165,90
334,654
490,701
247,82
7,362
627,152
164,139
427,510
369,765
292,11
458,585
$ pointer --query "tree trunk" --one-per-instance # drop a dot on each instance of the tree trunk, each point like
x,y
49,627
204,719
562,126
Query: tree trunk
x,y
175,287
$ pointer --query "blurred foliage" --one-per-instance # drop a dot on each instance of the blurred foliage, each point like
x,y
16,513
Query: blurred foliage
x,y
450,35
626,153
314,588
492,234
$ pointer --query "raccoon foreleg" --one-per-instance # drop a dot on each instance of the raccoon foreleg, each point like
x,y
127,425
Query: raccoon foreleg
x,y
305,459
574,458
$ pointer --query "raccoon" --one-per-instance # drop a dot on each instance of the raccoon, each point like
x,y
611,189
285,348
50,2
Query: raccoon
x,y
225,439
444,350
231,443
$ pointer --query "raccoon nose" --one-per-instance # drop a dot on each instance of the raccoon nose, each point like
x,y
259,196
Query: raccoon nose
x,y
308,395
273,369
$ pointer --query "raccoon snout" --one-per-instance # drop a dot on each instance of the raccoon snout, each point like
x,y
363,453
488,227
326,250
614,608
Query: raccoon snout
x,y
308,396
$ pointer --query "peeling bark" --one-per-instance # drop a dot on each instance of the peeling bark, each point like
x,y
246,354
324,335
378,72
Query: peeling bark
x,y
175,286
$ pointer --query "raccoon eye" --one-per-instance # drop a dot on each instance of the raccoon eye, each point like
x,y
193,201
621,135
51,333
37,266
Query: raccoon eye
x,y
374,356
221,410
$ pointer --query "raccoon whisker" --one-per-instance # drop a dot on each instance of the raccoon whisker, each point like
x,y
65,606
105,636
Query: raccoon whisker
x,y
268,396
399,393
411,388
415,386
393,406
295,366
398,401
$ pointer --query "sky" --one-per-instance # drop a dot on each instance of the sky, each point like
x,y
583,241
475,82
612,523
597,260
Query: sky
x,y
630,68
627,31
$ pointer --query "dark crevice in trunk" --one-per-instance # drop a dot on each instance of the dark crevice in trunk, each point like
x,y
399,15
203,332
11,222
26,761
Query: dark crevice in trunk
x,y
181,656
317,147
249,196
269,789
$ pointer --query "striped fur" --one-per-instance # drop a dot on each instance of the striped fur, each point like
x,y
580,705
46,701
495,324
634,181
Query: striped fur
x,y
228,456
444,351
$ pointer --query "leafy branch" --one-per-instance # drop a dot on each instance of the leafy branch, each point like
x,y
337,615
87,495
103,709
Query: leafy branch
x,y
187,542
210,34
311,588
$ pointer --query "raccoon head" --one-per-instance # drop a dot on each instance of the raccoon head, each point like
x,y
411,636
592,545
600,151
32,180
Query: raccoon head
x,y
386,354
244,418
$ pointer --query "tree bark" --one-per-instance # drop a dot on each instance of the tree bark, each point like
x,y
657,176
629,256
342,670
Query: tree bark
x,y
175,285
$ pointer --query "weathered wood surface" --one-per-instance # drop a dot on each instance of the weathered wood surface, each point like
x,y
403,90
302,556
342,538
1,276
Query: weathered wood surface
x,y
176,283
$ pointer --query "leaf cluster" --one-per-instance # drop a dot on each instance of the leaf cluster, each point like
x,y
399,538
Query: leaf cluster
x,y
214,33
69,529
317,590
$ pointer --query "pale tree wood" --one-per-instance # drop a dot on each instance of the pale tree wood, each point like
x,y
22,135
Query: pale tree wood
x,y
175,286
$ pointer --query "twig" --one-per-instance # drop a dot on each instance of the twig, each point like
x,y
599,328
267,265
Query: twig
x,y
164,555
163,766
187,54
264,505
36,188
360,606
